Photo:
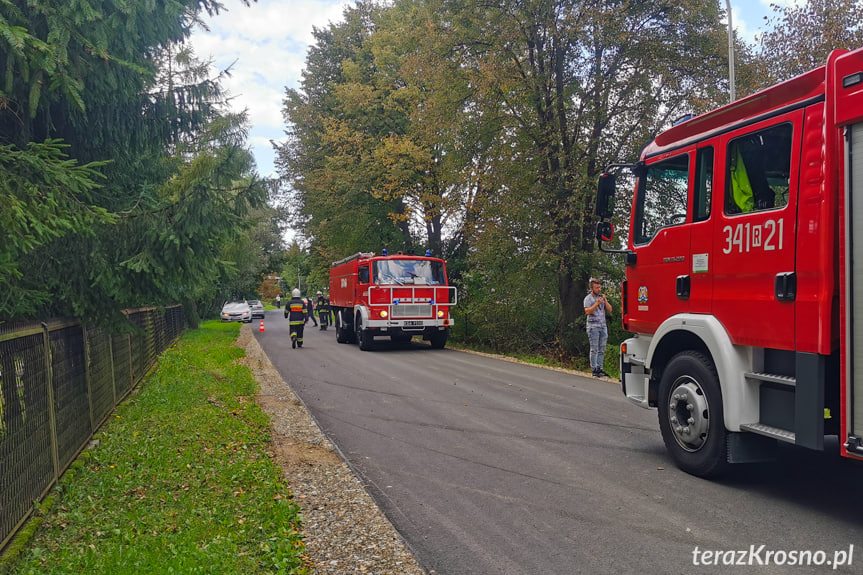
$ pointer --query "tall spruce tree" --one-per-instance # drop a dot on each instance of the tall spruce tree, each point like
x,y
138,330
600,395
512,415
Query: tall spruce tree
x,y
165,183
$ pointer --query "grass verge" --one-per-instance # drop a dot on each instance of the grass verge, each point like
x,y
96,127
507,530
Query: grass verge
x,y
612,366
181,481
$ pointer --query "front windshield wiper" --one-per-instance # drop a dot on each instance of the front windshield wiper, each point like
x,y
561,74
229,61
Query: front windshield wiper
x,y
394,278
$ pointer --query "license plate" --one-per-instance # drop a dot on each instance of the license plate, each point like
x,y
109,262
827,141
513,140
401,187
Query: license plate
x,y
409,323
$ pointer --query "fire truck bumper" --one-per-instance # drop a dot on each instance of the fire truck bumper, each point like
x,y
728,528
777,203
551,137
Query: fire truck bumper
x,y
409,327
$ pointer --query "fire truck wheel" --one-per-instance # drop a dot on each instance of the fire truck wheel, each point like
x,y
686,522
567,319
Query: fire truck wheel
x,y
690,414
438,340
342,334
364,336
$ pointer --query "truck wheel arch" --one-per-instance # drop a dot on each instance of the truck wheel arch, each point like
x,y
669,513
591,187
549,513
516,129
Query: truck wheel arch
x,y
363,314
706,335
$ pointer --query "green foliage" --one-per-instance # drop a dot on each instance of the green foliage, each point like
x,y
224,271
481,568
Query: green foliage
x,y
181,481
44,197
801,36
179,213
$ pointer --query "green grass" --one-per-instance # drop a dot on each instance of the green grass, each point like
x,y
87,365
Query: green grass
x,y
182,481
612,366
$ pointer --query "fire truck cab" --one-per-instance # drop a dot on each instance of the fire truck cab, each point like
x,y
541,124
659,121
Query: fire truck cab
x,y
397,296
741,287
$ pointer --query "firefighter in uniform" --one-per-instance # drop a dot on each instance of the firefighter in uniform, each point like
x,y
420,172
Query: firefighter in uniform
x,y
323,311
311,310
298,314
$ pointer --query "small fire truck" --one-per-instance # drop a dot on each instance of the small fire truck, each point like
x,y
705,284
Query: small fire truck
x,y
397,296
744,272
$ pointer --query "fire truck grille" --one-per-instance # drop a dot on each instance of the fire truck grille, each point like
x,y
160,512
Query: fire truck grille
x,y
412,310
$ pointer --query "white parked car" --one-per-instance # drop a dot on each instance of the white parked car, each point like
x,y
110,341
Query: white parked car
x,y
257,308
237,311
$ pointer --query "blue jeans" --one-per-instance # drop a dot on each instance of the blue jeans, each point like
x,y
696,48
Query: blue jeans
x,y
598,337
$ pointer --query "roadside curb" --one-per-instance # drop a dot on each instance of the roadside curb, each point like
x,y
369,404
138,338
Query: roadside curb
x,y
522,362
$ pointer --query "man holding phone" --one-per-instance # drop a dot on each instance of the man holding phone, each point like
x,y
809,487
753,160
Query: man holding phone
x,y
596,306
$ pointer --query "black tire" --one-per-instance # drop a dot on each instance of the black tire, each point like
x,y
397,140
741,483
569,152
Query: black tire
x,y
438,340
364,336
689,389
342,332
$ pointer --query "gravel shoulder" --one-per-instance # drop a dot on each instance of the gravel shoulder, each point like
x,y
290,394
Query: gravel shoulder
x,y
345,531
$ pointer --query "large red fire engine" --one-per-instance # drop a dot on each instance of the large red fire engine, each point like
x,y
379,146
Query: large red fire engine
x,y
398,296
742,284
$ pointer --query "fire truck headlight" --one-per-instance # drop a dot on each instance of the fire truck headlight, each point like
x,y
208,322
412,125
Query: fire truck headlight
x,y
384,313
440,313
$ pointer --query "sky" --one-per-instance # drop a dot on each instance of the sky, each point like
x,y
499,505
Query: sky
x,y
266,44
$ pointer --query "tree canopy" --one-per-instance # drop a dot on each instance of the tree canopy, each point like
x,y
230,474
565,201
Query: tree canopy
x,y
124,176
478,130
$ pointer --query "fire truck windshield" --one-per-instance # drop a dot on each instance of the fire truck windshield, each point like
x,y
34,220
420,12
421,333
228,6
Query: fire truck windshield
x,y
408,272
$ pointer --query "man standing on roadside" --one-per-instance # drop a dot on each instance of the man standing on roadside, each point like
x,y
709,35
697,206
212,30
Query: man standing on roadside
x,y
278,301
596,306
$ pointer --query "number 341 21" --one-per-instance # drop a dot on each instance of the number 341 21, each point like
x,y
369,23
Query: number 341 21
x,y
747,237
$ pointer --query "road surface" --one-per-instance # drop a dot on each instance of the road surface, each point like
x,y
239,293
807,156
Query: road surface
x,y
492,467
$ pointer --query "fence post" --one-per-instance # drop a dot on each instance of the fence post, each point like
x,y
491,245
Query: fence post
x,y
52,422
87,376
113,375
131,364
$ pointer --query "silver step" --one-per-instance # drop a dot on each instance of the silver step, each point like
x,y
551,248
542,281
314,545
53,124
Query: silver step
x,y
773,378
770,431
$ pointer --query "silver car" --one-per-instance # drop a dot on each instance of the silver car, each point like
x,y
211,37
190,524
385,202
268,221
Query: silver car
x,y
237,311
257,308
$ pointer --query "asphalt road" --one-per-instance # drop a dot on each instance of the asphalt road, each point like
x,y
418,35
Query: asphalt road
x,y
491,467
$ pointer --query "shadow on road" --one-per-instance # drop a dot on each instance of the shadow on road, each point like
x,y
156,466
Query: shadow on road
x,y
822,480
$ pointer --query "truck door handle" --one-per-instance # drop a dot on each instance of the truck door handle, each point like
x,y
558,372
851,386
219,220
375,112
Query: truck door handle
x,y
683,287
786,286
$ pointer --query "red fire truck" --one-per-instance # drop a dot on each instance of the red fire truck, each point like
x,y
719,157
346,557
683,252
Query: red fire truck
x,y
742,286
398,296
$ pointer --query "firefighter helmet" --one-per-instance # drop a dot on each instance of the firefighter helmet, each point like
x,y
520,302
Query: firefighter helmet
x,y
296,292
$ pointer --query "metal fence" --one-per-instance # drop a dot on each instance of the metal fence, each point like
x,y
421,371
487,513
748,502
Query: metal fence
x,y
59,381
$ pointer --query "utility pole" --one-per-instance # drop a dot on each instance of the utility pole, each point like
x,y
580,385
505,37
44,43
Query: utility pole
x,y
730,52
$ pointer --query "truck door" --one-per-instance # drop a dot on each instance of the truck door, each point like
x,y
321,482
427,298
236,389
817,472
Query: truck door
x,y
754,279
656,284
701,231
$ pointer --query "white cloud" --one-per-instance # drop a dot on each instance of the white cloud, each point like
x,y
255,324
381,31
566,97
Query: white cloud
x,y
266,44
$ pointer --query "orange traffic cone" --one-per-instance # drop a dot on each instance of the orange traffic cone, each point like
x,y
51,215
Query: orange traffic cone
x,y
262,326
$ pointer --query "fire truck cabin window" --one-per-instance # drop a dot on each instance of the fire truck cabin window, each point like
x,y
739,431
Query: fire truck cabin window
x,y
662,197
363,274
758,168
703,184
409,272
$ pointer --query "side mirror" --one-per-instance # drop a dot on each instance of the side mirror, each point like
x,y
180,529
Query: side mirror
x,y
605,195
604,232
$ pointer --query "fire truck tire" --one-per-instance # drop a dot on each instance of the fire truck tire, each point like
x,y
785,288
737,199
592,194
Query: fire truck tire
x,y
438,340
364,336
690,414
342,333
